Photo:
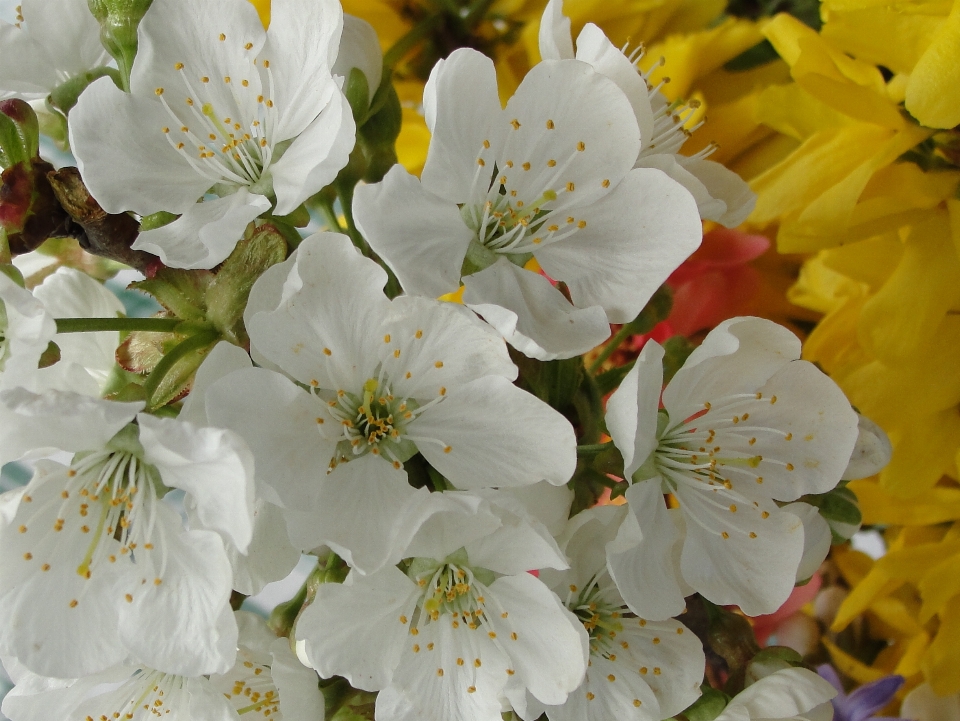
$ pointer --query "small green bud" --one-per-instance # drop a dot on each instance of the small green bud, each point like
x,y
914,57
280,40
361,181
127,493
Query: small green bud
x,y
358,94
119,20
19,132
710,704
156,220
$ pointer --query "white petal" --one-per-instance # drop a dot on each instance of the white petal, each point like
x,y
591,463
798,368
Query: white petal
x,y
555,92
533,316
491,433
26,68
316,156
584,541
323,331
521,543
725,185
923,704
816,538
643,558
460,104
632,409
206,233
594,48
139,170
707,206
871,453
270,556
265,296
738,356
278,420
354,629
300,697
182,625
220,362
439,346
365,512
556,40
546,502
302,42
782,695
30,327
756,572
634,238
68,32
420,235
815,430
616,698
58,420
549,652
214,466
432,684
68,293
456,520
360,49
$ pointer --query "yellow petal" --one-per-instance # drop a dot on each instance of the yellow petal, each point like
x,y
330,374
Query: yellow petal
x,y
413,141
953,207
793,111
912,658
870,261
941,666
849,666
933,93
939,586
936,505
922,452
882,35
386,20
908,309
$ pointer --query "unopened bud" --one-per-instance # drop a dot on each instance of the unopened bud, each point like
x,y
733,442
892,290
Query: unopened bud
x,y
871,453
19,132
119,20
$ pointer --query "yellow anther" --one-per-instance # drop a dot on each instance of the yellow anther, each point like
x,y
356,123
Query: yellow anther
x,y
550,125
581,146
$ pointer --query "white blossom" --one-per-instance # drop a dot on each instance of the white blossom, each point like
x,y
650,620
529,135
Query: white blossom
x,y
217,105
367,383
444,639
94,564
548,177
792,694
744,424
720,193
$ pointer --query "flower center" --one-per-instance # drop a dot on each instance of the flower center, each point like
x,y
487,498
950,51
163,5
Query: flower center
x,y
599,617
225,133
253,690
373,422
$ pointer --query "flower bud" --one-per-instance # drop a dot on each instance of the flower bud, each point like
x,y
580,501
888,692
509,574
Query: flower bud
x,y
119,20
360,62
19,132
871,453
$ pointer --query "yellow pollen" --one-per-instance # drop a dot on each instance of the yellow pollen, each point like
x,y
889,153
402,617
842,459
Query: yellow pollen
x,y
611,678
656,670
581,147
447,449
733,508
773,399
204,79
582,224
752,534
679,631
22,529
491,634
269,103
590,696
27,556
73,603
266,63
725,535
643,670
476,662
510,672
789,466
222,37
550,125
605,183
129,598
245,83
403,620
759,479
765,514
551,163
416,648
459,662
481,162
513,636
471,689
570,187
515,123
248,46
327,351
178,66
45,567
159,91
190,101
525,166
396,353
636,702
438,364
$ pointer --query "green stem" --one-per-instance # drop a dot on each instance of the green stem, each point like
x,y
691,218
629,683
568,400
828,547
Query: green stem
x,y
5,257
345,193
593,449
93,325
621,335
477,8
329,215
400,48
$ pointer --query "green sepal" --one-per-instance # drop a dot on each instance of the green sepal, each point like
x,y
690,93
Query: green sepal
x,y
357,91
710,704
156,220
170,379
226,296
66,94
676,351
182,292
838,505
610,380
13,272
50,356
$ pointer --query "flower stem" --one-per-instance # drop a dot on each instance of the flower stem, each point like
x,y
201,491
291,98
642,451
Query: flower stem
x,y
93,325
400,48
621,335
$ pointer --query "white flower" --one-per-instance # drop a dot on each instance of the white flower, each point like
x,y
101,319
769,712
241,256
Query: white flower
x,y
443,640
51,43
639,670
267,681
366,384
26,329
270,556
549,177
360,49
872,452
744,424
217,104
791,694
721,194
94,564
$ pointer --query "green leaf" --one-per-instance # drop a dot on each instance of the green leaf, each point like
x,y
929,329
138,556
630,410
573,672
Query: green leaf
x,y
839,505
676,351
610,380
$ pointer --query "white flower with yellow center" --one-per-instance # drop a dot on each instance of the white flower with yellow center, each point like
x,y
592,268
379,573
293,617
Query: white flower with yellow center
x,y
364,384
720,193
744,424
548,177
443,639
266,682
95,565
218,106
49,44
639,670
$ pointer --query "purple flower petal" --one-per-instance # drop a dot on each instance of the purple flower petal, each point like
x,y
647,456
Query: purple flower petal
x,y
871,697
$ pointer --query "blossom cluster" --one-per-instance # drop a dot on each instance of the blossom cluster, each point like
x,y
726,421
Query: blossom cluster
x,y
401,395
